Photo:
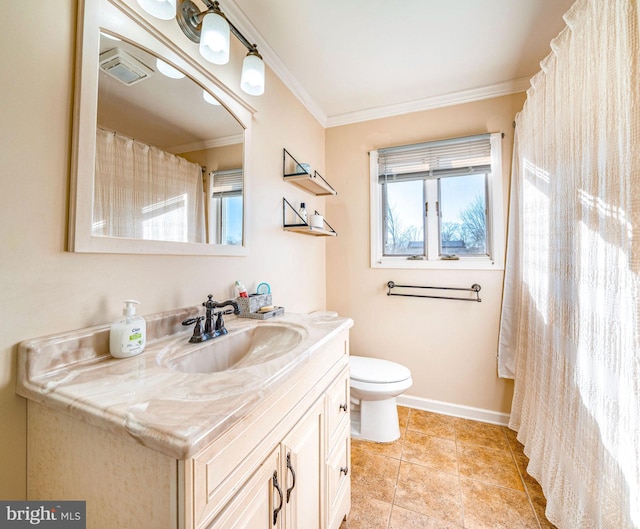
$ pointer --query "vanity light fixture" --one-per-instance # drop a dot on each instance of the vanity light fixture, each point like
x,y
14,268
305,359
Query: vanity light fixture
x,y
211,29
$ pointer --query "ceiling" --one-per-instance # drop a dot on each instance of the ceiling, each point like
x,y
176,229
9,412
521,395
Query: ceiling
x,y
353,60
151,110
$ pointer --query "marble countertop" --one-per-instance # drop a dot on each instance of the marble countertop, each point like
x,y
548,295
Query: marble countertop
x,y
173,412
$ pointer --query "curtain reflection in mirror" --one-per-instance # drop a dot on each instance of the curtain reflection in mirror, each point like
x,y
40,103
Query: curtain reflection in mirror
x,y
142,192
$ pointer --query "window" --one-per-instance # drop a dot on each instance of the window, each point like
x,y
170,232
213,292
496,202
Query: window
x,y
438,204
225,207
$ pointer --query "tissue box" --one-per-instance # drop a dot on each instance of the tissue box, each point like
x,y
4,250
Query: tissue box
x,y
253,303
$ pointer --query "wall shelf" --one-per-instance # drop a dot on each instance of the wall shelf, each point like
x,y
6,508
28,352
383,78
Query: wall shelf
x,y
300,226
296,174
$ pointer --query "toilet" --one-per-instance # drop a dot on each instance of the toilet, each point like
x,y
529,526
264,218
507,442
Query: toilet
x,y
375,384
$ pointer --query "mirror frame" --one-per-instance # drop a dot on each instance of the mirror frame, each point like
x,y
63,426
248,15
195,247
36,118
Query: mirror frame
x,y
125,19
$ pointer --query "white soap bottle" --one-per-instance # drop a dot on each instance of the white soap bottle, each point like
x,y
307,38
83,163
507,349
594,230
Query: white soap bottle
x,y
129,335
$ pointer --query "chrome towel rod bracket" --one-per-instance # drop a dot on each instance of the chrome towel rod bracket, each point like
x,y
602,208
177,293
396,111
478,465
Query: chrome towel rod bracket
x,y
474,288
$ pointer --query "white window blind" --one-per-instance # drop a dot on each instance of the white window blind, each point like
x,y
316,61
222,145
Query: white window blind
x,y
227,183
436,159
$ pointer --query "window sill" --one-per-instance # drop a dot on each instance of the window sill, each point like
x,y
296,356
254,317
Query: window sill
x,y
468,263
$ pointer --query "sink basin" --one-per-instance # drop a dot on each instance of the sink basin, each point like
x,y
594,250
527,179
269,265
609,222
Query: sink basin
x,y
236,350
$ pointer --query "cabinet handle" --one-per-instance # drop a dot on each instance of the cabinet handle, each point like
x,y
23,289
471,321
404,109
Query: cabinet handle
x,y
277,510
344,470
343,407
293,475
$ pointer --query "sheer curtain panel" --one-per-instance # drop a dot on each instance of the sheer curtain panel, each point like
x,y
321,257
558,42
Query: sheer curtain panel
x,y
570,322
142,192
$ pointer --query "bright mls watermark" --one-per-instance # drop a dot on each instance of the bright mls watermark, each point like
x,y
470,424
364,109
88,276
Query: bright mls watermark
x,y
43,514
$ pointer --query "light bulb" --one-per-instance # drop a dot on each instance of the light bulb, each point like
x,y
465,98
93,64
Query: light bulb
x,y
209,98
252,80
214,39
163,9
168,70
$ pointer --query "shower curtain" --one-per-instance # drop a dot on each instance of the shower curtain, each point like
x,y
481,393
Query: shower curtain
x,y
571,316
142,192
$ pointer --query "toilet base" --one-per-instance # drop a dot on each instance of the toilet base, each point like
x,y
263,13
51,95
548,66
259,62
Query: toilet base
x,y
375,420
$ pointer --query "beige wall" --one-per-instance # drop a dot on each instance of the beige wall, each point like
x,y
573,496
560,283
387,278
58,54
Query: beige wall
x,y
450,346
45,289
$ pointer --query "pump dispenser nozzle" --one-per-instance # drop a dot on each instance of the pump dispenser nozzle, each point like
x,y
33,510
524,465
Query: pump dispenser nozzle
x,y
130,307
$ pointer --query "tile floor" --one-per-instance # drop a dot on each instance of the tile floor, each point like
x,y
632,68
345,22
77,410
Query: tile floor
x,y
444,473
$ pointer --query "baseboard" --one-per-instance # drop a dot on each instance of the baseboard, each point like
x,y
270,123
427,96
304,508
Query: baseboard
x,y
455,410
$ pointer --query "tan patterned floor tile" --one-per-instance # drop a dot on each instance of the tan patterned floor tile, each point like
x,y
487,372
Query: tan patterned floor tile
x,y
367,513
424,487
489,465
531,485
539,506
373,475
393,449
479,433
490,507
403,417
432,452
405,519
432,424
429,492
514,444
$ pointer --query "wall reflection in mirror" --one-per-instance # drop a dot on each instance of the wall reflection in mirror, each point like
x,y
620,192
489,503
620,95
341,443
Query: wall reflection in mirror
x,y
169,156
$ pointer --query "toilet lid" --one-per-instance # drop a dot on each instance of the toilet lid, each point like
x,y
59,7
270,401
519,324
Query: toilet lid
x,y
375,370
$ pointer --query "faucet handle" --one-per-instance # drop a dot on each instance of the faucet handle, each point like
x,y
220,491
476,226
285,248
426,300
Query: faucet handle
x,y
197,329
209,304
219,321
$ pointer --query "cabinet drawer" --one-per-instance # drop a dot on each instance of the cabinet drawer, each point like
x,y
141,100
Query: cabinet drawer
x,y
339,478
253,506
337,410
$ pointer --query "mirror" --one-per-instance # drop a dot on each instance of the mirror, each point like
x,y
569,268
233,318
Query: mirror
x,y
160,158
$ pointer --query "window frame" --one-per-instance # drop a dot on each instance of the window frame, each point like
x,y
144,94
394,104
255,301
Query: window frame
x,y
495,224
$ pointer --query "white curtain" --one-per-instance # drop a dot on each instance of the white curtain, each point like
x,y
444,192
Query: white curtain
x,y
142,192
571,314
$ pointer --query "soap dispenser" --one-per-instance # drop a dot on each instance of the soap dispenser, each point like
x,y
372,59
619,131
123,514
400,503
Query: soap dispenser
x,y
129,335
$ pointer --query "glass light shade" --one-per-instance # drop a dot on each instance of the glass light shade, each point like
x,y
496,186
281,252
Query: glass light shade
x,y
252,80
163,9
209,98
168,70
214,39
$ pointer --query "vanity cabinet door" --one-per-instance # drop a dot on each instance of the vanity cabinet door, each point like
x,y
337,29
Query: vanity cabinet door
x,y
302,459
260,502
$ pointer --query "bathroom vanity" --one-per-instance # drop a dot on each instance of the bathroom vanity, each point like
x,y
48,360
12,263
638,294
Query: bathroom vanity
x,y
258,438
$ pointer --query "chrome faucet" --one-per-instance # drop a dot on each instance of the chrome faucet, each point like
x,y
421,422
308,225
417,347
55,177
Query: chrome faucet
x,y
211,328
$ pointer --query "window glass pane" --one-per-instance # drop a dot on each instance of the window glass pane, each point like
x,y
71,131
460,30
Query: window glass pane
x,y
232,222
463,221
403,218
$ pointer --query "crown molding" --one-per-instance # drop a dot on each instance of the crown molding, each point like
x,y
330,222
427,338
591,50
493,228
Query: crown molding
x,y
206,144
278,67
271,58
453,98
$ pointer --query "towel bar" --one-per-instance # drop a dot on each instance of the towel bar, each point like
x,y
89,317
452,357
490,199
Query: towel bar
x,y
474,288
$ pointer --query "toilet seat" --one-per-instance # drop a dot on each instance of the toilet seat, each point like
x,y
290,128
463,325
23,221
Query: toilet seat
x,y
377,371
